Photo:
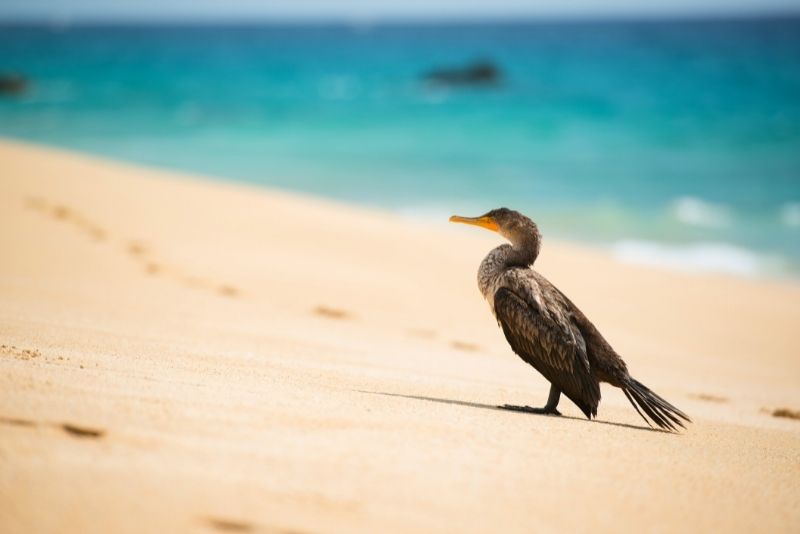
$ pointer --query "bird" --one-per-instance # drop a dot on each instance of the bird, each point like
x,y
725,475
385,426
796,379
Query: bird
x,y
551,333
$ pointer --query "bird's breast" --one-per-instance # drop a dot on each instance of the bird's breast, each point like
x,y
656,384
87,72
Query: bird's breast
x,y
491,271
488,279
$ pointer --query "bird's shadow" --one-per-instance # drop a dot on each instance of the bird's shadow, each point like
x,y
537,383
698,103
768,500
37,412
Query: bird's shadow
x,y
511,409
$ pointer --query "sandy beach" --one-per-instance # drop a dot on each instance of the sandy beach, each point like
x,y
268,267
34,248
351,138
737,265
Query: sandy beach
x,y
180,354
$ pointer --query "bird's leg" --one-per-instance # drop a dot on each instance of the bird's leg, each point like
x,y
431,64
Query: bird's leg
x,y
552,400
549,409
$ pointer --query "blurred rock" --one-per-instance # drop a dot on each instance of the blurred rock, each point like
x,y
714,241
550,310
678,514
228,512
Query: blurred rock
x,y
13,84
478,73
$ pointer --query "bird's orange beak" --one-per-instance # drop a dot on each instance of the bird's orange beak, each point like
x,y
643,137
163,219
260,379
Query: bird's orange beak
x,y
484,221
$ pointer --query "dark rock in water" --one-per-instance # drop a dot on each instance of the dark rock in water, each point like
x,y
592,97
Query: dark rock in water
x,y
13,84
478,73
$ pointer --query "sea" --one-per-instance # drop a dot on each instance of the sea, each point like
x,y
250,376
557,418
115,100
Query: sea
x,y
668,142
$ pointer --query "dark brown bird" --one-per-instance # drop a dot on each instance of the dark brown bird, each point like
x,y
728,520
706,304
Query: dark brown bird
x,y
549,332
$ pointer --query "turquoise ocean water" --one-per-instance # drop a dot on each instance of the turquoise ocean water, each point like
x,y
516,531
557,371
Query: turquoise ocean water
x,y
675,143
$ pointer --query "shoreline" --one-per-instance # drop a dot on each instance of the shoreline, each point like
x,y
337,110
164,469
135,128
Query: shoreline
x,y
694,258
614,251
196,354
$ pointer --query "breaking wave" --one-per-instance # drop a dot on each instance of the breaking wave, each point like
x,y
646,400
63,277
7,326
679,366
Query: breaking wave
x,y
701,257
697,212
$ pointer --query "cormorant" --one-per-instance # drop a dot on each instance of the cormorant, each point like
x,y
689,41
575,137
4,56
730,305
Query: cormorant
x,y
549,332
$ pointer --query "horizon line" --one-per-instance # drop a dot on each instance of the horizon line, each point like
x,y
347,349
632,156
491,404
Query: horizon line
x,y
394,20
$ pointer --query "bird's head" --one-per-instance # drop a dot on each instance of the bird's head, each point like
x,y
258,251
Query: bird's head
x,y
510,224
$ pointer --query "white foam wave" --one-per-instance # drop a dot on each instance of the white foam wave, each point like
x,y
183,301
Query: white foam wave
x,y
696,212
704,257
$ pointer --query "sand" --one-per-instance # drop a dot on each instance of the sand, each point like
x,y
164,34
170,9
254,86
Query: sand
x,y
184,355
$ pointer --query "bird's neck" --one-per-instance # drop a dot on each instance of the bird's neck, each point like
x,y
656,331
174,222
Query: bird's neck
x,y
524,249
521,253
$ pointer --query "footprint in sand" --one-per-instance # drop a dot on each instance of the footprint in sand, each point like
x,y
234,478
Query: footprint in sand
x,y
152,268
709,398
13,421
138,250
464,345
64,213
61,212
228,291
94,231
225,290
141,253
332,313
229,525
785,413
69,428
82,432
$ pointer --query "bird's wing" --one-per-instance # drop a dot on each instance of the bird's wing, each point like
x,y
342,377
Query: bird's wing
x,y
553,347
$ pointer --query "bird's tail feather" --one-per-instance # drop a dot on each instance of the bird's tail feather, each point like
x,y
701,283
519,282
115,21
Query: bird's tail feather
x,y
661,412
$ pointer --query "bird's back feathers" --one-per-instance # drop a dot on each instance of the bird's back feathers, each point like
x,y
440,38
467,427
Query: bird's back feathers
x,y
551,346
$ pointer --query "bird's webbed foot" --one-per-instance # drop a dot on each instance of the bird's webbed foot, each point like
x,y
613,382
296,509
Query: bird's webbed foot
x,y
547,410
